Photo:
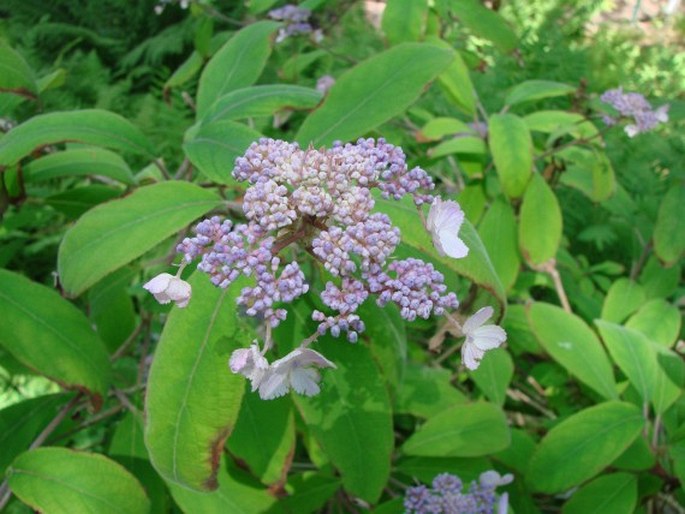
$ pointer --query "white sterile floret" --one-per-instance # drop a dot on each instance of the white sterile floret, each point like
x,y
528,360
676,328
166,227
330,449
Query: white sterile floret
x,y
444,221
493,479
168,288
250,363
480,338
295,371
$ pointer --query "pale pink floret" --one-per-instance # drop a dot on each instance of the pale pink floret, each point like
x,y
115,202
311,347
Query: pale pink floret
x,y
167,288
480,338
444,221
295,371
250,363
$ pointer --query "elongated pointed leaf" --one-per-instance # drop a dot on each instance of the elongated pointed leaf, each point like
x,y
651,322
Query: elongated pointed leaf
x,y
494,374
541,223
357,103
91,126
15,74
261,101
51,336
669,231
485,23
214,147
455,81
623,298
582,445
608,494
63,481
512,151
193,399
426,392
476,266
499,233
78,162
572,344
658,320
535,90
458,145
115,233
469,430
264,437
404,20
239,63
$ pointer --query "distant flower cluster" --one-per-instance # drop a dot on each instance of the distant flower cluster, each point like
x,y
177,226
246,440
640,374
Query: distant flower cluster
x,y
295,19
161,5
449,496
635,107
322,201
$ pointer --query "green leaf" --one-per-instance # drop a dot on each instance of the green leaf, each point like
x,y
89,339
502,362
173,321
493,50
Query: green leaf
x,y
608,494
499,234
658,320
623,298
669,231
404,20
59,480
261,101
531,90
15,74
214,147
111,308
115,233
469,430
21,423
79,162
553,121
264,437
52,80
236,494
90,126
425,469
458,145
633,353
437,128
494,374
426,392
658,281
455,81
75,202
518,454
238,64
540,225
512,152
582,445
476,266
309,492
186,71
51,336
572,344
485,23
357,103
589,171
193,399
637,457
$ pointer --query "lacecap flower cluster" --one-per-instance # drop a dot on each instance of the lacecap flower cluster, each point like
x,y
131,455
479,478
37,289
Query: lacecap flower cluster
x,y
635,107
322,200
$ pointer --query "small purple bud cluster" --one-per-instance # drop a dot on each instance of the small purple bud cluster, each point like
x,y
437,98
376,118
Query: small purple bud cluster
x,y
296,21
635,106
449,496
321,199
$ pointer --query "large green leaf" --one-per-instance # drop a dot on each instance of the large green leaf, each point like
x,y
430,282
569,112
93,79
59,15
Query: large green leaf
x,y
358,102
512,151
658,320
494,374
582,445
458,145
590,171
264,437
237,494
485,23
633,353
238,64
455,81
15,74
608,494
669,231
111,308
73,203
214,147
553,121
623,298
115,233
63,481
50,335
499,233
20,424
540,223
77,162
261,101
351,418
91,126
404,20
476,266
193,399
572,344
536,90
469,430
426,469
426,392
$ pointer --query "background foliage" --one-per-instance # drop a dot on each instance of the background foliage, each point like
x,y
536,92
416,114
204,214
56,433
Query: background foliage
x,y
119,130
